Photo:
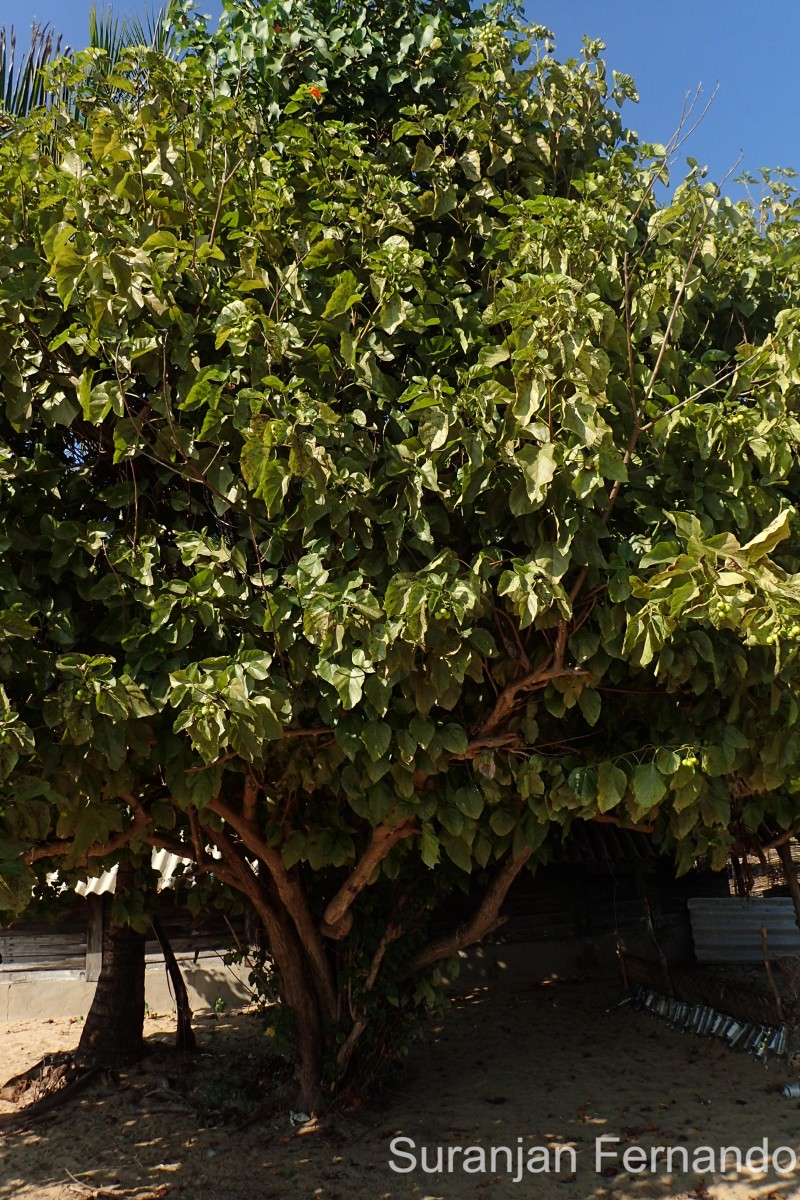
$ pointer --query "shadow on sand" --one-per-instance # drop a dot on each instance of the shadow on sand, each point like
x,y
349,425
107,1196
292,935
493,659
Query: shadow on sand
x,y
518,1063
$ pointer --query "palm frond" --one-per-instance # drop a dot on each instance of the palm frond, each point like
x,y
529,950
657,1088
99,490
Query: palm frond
x,y
22,87
106,32
156,30
21,84
114,34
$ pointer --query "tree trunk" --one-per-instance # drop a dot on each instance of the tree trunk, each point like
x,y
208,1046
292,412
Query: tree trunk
x,y
184,1037
790,875
294,968
299,995
113,1033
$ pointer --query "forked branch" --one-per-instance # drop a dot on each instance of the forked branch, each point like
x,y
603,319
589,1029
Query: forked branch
x,y
507,700
292,897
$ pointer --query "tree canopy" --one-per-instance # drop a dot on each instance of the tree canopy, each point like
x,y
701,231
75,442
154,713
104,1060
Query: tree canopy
x,y
382,491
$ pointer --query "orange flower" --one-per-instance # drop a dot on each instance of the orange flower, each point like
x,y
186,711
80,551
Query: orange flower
x,y
315,92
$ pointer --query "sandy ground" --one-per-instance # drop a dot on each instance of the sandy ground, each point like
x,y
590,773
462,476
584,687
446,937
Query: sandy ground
x,y
548,1064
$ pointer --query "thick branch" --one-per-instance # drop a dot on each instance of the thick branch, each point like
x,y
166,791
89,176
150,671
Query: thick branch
x,y
98,850
483,921
505,702
497,741
335,923
290,961
197,837
292,897
171,845
239,873
250,800
779,841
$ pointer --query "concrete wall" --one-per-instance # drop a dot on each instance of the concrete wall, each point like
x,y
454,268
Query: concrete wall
x,y
67,994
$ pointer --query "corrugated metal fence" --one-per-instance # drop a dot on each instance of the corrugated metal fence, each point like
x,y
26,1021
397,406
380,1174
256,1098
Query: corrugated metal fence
x,y
728,928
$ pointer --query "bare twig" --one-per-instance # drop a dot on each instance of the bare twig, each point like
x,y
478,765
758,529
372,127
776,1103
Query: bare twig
x,y
226,178
770,976
710,387
393,933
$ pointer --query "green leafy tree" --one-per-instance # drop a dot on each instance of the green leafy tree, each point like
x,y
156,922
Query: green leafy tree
x,y
374,505
363,60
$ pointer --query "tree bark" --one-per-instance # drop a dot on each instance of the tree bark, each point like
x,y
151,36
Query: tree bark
x,y
483,921
300,996
113,1033
293,968
790,874
337,920
291,899
303,969
184,1036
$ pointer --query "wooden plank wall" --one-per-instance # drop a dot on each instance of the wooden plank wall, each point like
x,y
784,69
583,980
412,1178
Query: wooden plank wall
x,y
74,942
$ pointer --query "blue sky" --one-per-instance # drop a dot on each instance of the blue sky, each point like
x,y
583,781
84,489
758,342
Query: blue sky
x,y
749,49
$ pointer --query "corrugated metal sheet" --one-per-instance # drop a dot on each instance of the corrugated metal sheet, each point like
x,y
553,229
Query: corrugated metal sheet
x,y
162,861
728,928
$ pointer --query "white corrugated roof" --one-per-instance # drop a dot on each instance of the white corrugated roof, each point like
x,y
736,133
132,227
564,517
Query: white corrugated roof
x,y
162,861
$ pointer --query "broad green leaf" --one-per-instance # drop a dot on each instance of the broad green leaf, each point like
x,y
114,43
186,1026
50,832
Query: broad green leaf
x,y
453,738
323,253
612,784
648,785
470,801
590,704
429,847
766,541
344,296
377,737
